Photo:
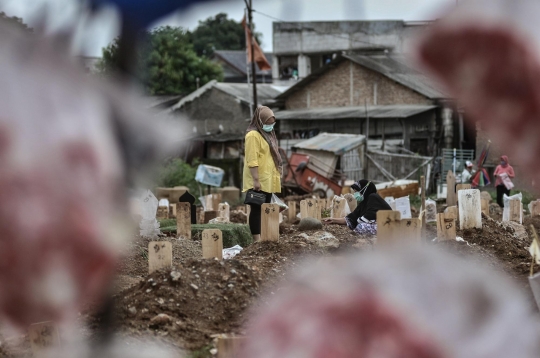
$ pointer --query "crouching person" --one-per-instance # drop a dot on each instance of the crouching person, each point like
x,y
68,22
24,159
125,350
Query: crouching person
x,y
363,219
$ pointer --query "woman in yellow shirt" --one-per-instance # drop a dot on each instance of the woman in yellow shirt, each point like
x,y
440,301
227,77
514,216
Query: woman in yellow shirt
x,y
262,163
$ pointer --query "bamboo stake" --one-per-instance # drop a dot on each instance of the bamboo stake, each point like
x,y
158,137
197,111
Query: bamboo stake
x,y
535,238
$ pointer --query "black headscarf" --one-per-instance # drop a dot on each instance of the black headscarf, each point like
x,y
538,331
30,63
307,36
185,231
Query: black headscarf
x,y
367,208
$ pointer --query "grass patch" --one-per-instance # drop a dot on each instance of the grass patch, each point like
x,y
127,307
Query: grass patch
x,y
233,234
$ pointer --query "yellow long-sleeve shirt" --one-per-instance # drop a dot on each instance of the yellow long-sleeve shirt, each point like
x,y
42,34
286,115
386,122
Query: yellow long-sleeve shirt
x,y
258,155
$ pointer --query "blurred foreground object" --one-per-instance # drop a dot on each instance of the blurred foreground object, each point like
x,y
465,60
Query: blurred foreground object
x,y
487,54
411,303
68,146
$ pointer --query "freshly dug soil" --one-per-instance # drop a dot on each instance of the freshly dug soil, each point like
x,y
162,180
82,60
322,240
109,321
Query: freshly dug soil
x,y
203,298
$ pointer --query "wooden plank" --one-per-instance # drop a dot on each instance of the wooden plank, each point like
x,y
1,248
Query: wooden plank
x,y
515,210
388,227
321,203
209,215
446,227
183,220
248,212
230,347
351,201
399,191
43,336
338,207
269,222
224,211
173,208
212,244
451,198
463,187
470,209
291,212
535,208
159,255
216,200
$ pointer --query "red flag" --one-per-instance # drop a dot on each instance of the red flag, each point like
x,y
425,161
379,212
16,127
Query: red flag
x,y
260,59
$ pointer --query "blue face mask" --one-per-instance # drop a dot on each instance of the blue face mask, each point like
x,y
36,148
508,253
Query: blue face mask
x,y
268,127
359,195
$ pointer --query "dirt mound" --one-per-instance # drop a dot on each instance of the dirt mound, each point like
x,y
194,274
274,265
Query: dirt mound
x,y
135,258
203,298
506,241
238,217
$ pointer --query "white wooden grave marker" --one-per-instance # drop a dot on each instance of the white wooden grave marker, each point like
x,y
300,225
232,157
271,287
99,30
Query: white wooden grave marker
x,y
470,209
338,207
224,211
351,201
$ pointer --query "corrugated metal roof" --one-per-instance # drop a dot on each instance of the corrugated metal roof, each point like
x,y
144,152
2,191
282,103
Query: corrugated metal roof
x,y
332,142
391,111
397,68
237,59
241,91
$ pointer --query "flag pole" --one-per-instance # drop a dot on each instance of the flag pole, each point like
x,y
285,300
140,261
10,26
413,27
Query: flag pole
x,y
247,67
253,73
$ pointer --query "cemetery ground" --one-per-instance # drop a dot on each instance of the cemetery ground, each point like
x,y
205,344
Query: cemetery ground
x,y
188,305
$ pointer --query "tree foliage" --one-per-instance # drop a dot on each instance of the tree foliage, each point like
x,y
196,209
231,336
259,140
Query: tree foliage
x,y
219,33
17,22
176,172
166,62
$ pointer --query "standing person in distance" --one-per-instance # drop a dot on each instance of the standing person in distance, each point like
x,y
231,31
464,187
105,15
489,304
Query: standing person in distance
x,y
262,163
466,175
501,171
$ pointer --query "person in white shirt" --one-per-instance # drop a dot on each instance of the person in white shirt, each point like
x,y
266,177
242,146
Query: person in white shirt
x,y
467,173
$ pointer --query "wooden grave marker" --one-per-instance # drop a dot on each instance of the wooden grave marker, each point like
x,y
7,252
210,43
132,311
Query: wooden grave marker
x,y
216,200
212,244
463,187
173,209
269,222
452,211
535,208
485,195
411,230
159,255
309,209
338,207
451,198
514,210
183,220
351,201
321,203
446,227
43,336
248,211
224,211
229,347
291,212
485,206
388,227
470,209
162,212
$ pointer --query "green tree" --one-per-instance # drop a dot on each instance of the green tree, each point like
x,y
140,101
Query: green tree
x,y
17,22
166,63
176,172
219,33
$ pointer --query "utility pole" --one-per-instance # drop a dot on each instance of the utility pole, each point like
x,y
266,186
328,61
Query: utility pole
x,y
249,5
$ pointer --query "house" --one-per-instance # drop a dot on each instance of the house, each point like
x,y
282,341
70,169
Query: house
x,y
305,47
234,64
218,114
379,89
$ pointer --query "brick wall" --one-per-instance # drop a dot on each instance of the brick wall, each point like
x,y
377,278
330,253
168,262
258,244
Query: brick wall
x,y
333,89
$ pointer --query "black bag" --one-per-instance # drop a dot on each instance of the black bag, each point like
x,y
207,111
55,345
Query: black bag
x,y
255,197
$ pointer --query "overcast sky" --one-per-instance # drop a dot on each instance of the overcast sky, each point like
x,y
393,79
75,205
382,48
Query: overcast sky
x,y
93,34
